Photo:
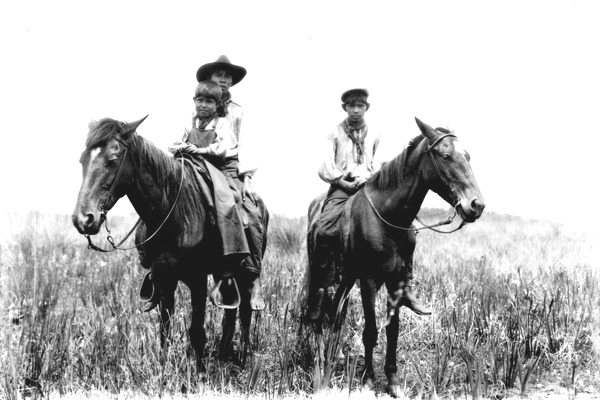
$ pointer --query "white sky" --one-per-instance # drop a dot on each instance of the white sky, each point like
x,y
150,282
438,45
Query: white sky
x,y
518,81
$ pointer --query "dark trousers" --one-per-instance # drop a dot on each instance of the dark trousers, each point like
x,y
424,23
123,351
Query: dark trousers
x,y
254,231
327,238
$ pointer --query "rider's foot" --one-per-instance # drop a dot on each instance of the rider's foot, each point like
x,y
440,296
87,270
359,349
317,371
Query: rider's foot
x,y
257,301
409,300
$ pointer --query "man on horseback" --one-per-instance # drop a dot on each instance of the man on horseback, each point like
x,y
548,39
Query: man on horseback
x,y
347,164
226,75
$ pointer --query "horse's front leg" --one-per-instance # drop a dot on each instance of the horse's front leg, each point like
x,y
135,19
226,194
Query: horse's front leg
x,y
229,296
197,332
245,320
368,291
391,330
167,306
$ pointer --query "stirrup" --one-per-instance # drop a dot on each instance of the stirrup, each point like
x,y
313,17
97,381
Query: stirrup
x,y
214,298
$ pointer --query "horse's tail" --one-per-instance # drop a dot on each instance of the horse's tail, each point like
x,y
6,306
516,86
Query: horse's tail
x,y
314,211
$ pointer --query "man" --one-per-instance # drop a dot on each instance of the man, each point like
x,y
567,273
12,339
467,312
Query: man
x,y
348,162
227,75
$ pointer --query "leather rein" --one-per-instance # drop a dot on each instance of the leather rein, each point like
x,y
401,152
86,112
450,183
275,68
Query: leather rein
x,y
110,195
432,227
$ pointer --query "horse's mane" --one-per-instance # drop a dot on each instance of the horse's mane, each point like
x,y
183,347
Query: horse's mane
x,y
164,169
391,173
101,132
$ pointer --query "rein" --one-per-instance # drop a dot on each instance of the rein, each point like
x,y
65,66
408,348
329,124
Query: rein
x,y
449,220
110,194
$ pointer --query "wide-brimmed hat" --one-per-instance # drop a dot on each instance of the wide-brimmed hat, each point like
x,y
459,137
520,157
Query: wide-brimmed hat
x,y
237,73
359,91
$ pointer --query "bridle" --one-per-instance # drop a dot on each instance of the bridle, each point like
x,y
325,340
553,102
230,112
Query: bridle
x,y
447,221
109,238
111,195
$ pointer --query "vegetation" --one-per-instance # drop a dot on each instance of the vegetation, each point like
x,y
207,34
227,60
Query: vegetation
x,y
516,311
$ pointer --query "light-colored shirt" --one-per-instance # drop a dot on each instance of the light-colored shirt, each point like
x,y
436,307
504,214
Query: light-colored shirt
x,y
234,116
221,144
341,157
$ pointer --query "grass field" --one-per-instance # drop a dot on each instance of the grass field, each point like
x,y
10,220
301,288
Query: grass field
x,y
516,312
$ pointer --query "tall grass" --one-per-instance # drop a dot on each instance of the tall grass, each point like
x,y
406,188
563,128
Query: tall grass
x,y
516,311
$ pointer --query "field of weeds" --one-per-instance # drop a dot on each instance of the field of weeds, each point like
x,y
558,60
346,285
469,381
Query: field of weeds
x,y
516,313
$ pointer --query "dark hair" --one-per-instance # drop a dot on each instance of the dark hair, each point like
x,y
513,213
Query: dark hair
x,y
211,90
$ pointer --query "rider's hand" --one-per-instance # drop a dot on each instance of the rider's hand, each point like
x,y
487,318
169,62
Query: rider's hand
x,y
247,190
346,185
359,182
176,147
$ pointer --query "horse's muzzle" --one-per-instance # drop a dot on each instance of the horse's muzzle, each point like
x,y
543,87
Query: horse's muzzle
x,y
88,223
472,210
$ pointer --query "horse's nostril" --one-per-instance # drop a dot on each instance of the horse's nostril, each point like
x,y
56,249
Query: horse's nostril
x,y
88,220
477,205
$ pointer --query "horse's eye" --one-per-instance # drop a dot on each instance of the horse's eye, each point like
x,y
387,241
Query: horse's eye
x,y
112,161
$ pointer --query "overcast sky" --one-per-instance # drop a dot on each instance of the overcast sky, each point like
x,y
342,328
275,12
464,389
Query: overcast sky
x,y
517,81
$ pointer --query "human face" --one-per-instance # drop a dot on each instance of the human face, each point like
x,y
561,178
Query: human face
x,y
356,111
205,107
223,79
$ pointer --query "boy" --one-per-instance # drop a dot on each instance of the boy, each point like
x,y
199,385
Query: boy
x,y
348,163
209,136
226,75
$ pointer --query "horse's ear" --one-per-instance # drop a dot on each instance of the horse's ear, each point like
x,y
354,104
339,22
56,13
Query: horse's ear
x,y
93,123
426,130
131,127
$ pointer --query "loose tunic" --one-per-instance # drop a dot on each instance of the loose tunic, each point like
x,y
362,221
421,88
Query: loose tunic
x,y
234,116
341,158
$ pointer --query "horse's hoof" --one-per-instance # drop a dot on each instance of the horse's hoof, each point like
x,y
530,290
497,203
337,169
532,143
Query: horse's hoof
x,y
149,306
368,384
393,390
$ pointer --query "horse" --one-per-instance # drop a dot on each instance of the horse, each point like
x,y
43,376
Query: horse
x,y
177,237
378,238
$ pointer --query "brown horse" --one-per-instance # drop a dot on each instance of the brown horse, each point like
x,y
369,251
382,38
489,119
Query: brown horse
x,y
178,239
378,239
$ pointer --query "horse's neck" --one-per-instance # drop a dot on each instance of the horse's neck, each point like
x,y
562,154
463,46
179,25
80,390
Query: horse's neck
x,y
401,204
158,178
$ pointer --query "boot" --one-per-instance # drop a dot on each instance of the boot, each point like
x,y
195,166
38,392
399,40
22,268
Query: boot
x,y
257,302
409,300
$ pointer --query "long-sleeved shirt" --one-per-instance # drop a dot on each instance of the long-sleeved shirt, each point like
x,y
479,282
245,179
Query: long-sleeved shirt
x,y
221,144
234,116
341,158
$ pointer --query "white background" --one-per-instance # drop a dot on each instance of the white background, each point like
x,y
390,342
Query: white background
x,y
517,81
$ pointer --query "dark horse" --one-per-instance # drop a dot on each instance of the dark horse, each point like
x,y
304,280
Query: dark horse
x,y
378,239
178,236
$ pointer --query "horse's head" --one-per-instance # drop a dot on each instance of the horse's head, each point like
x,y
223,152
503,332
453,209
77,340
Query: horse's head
x,y
106,172
450,175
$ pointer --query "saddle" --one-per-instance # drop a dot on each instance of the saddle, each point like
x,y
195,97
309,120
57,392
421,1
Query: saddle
x,y
221,204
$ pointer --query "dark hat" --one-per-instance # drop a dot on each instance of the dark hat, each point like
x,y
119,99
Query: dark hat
x,y
360,92
237,73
